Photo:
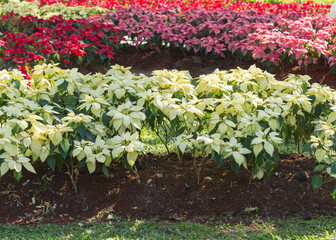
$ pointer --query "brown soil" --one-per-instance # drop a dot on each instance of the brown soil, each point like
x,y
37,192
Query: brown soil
x,y
168,188
147,61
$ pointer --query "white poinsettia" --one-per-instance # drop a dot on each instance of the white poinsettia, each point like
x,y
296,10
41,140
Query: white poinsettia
x,y
6,136
174,81
299,99
265,140
126,143
71,76
165,102
212,142
317,142
125,83
14,160
225,126
56,132
127,116
187,108
236,149
213,83
273,115
95,105
327,130
77,118
98,151
321,93
250,122
183,142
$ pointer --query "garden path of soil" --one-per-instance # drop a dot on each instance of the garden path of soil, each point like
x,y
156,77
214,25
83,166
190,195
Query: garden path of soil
x,y
147,61
168,188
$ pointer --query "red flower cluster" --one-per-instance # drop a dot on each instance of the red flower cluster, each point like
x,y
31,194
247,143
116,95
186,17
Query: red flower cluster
x,y
267,32
28,40
307,8
270,38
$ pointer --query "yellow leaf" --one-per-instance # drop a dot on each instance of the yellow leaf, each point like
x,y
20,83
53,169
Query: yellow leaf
x,y
91,166
36,147
119,93
332,117
12,149
257,148
117,123
131,157
4,168
57,138
29,167
27,142
44,154
239,158
320,154
307,106
259,174
269,148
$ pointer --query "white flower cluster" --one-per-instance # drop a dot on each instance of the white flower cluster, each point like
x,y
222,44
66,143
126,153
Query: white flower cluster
x,y
241,115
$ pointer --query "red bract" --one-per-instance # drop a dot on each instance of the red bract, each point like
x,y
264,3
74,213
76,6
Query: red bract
x,y
28,40
306,9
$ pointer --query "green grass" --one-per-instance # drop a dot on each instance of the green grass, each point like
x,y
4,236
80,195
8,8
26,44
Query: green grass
x,y
318,228
156,147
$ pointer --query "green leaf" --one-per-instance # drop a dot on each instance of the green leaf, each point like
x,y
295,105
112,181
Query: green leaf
x,y
17,175
319,168
90,136
56,98
306,147
15,129
105,171
234,165
63,153
317,181
63,87
333,169
318,109
276,158
106,119
42,103
220,158
17,86
52,147
281,120
51,162
59,161
82,131
70,100
334,193
269,166
312,98
82,163
65,145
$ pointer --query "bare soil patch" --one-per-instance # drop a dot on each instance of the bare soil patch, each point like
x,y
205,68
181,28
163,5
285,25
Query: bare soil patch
x,y
147,61
168,190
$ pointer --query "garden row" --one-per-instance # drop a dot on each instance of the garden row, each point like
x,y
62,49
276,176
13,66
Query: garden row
x,y
285,7
64,118
272,38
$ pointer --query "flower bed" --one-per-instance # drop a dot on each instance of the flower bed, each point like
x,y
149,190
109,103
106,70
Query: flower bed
x,y
65,118
29,40
270,36
273,39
